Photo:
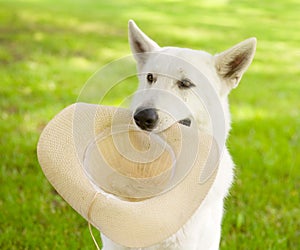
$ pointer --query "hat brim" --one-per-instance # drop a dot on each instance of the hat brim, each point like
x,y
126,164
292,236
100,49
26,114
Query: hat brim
x,y
133,224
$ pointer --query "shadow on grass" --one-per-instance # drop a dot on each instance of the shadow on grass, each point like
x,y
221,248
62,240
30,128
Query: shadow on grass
x,y
262,207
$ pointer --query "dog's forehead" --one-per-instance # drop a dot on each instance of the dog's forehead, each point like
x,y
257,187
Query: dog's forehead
x,y
180,60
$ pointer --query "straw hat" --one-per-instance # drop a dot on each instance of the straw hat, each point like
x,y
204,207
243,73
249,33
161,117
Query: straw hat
x,y
136,188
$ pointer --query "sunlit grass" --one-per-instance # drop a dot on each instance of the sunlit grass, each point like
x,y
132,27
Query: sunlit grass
x,y
50,49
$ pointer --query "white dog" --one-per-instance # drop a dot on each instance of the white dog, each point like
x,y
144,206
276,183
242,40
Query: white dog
x,y
158,70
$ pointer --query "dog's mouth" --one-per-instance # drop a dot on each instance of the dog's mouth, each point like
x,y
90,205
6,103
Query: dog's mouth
x,y
186,122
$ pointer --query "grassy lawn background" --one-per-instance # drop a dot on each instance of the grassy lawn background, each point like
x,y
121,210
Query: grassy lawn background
x,y
48,50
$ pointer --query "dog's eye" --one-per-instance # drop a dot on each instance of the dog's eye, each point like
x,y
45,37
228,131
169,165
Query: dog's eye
x,y
150,78
185,84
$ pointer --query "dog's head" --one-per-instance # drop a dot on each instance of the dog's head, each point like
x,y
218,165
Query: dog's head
x,y
176,84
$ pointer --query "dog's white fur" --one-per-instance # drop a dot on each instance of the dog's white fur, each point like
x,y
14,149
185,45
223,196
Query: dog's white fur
x,y
224,71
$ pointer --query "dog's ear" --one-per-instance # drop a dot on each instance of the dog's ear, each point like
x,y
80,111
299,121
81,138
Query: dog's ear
x,y
232,63
140,43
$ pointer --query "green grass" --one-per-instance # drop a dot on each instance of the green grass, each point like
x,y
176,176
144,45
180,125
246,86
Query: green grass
x,y
48,50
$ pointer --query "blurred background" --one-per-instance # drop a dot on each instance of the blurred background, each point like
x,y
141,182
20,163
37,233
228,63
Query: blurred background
x,y
49,49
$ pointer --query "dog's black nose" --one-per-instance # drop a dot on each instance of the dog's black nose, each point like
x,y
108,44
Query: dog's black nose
x,y
146,119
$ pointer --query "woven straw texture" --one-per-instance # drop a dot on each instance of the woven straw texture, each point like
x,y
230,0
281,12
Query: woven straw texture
x,y
140,223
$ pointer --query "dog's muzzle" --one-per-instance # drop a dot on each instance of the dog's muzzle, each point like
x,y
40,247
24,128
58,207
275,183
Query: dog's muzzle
x,y
147,119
